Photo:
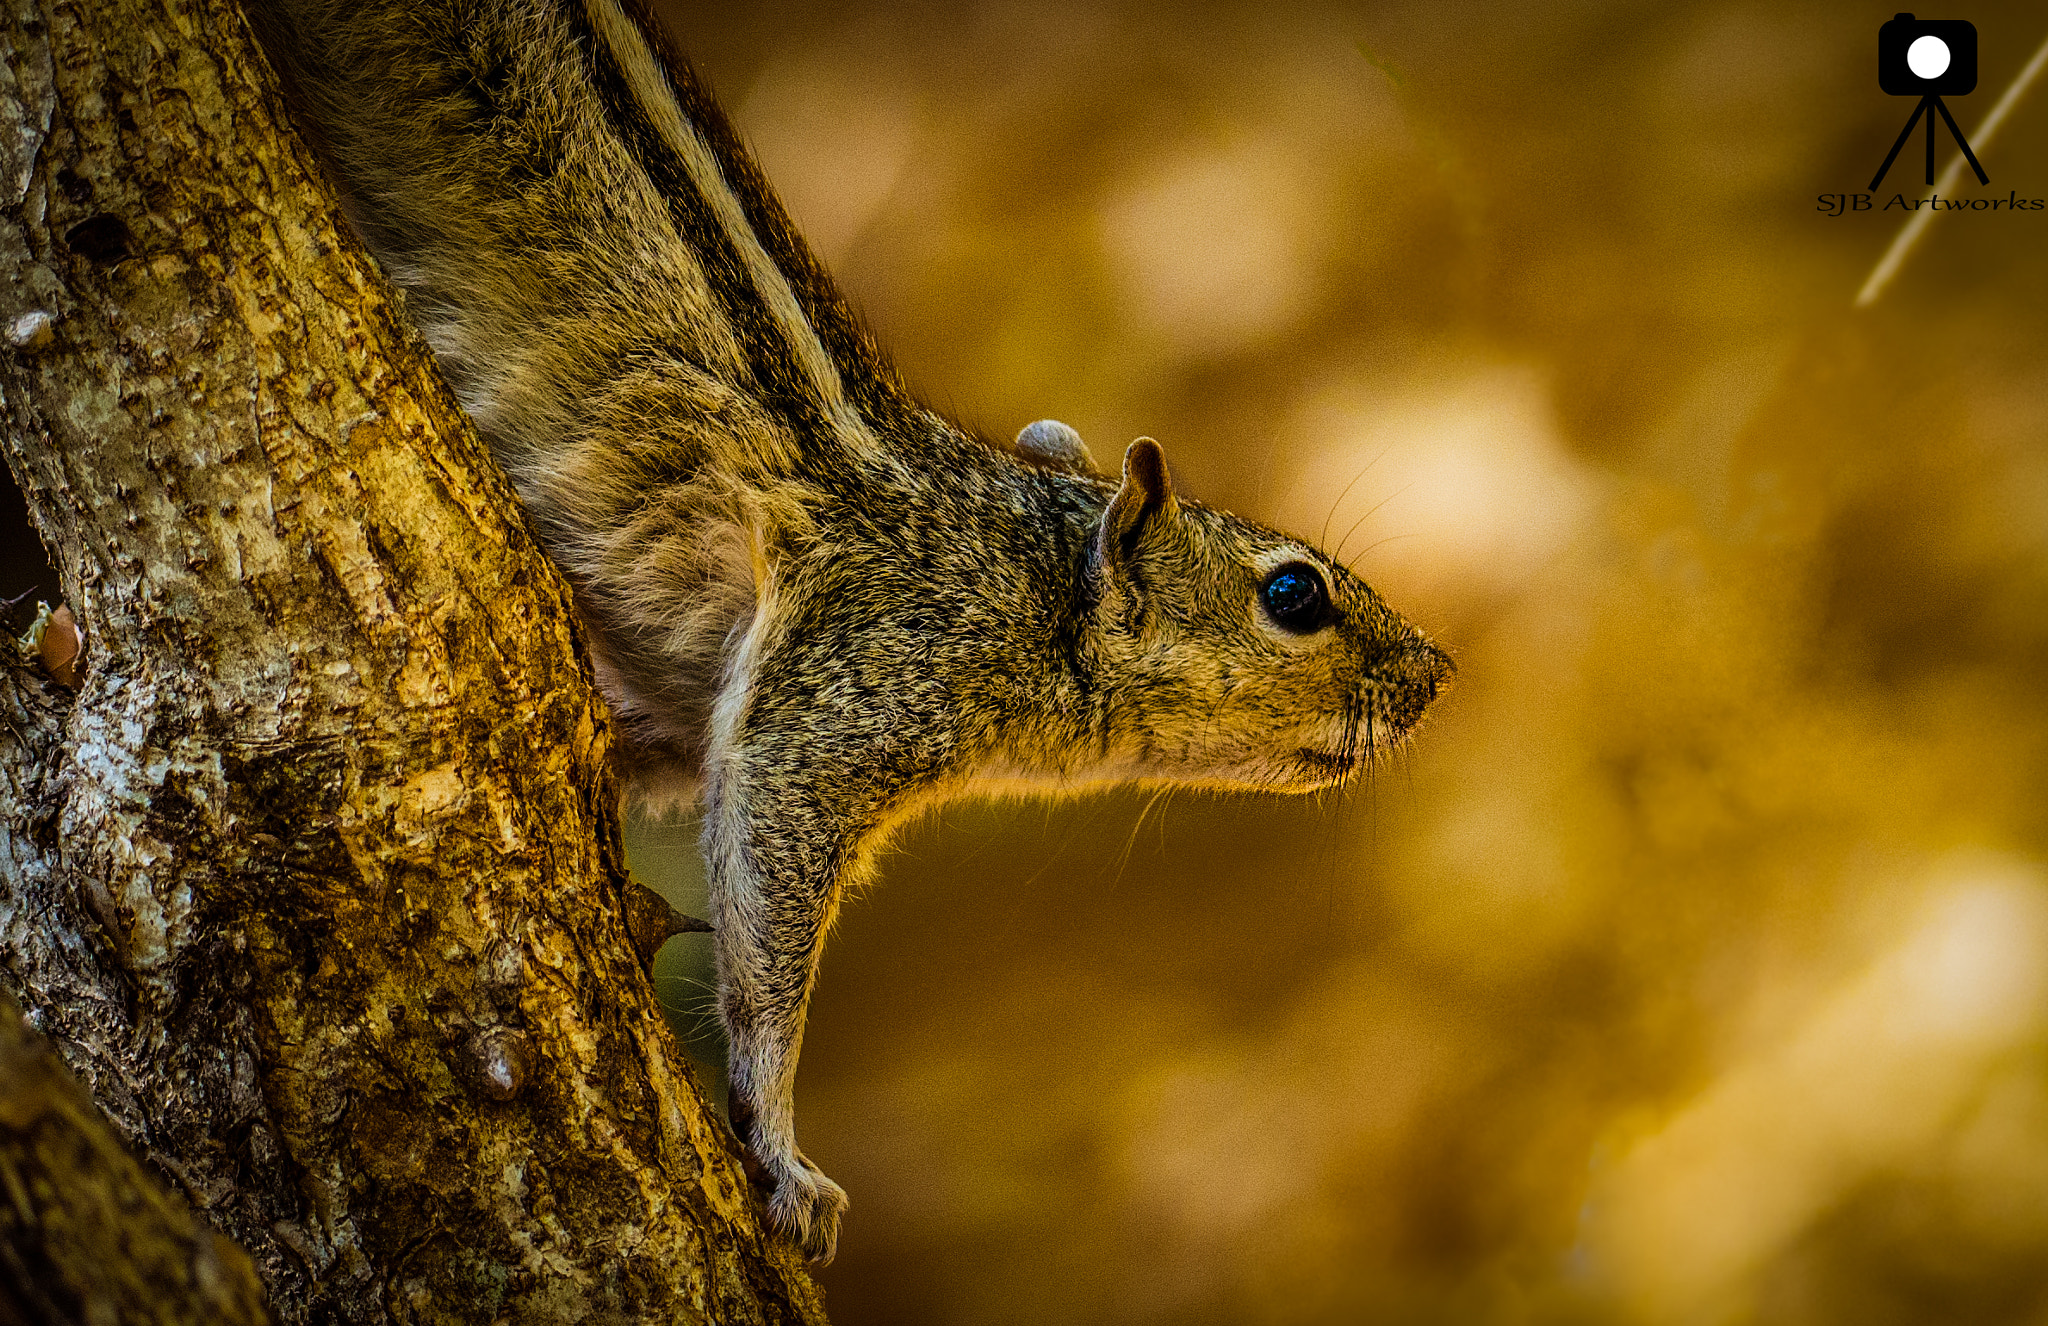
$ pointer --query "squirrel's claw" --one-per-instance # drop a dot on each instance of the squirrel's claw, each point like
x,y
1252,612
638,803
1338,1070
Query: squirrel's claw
x,y
806,1206
803,1204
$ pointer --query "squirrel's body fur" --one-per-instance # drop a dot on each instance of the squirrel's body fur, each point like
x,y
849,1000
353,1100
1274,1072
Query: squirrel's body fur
x,y
810,598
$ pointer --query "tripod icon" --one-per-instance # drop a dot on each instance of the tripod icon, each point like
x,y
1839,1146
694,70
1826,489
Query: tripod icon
x,y
1929,104
1929,57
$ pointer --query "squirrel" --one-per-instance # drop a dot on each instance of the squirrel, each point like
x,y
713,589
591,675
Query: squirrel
x,y
813,604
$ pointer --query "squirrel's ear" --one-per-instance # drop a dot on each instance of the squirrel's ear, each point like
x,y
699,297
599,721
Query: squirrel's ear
x,y
1055,443
1142,503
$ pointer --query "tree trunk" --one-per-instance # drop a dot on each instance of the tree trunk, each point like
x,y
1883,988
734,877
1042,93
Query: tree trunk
x,y
86,1235
315,878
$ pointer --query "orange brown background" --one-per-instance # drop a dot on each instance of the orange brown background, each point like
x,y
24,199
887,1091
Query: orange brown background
x,y
1692,966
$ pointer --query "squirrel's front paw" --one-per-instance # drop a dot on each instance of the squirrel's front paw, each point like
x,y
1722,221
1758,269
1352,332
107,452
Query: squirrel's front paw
x,y
802,1202
806,1206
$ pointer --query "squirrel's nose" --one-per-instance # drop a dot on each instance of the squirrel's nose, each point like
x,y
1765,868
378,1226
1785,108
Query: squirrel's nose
x,y
1433,667
1416,671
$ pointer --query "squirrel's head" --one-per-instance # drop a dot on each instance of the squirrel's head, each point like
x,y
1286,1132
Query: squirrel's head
x,y
1238,656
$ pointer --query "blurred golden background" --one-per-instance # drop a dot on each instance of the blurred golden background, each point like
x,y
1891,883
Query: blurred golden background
x,y
1693,965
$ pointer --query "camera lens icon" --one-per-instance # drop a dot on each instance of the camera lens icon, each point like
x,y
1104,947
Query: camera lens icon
x,y
1927,57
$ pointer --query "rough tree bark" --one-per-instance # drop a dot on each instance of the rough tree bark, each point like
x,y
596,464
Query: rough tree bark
x,y
86,1235
315,880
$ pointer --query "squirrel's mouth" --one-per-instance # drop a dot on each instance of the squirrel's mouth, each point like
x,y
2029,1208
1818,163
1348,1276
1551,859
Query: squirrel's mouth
x,y
1324,762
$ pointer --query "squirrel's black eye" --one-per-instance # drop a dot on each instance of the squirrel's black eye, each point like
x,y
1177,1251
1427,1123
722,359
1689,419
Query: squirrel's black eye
x,y
1296,599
